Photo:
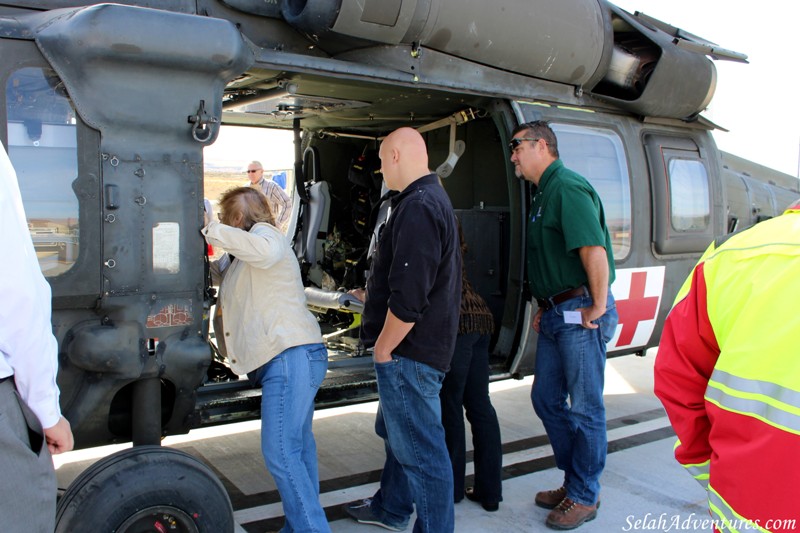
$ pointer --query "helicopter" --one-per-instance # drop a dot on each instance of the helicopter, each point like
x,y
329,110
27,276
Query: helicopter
x,y
107,110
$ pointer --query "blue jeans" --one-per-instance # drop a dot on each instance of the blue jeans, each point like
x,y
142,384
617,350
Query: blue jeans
x,y
466,386
570,363
417,469
290,382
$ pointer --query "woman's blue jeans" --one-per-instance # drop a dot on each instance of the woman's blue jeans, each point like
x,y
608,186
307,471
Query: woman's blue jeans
x,y
570,363
289,383
417,470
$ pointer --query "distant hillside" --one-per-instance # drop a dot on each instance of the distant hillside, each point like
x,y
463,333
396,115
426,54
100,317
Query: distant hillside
x,y
216,182
210,166
219,180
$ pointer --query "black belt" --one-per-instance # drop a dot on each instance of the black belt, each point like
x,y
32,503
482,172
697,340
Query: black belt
x,y
545,304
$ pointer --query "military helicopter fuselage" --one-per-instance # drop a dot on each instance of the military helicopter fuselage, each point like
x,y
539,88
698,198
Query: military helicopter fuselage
x,y
107,109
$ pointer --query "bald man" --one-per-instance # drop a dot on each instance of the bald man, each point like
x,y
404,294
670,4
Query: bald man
x,y
411,320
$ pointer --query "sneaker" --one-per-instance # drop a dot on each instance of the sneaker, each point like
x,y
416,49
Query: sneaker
x,y
570,514
361,511
550,498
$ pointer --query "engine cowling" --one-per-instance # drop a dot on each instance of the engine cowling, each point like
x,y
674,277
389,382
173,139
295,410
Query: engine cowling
x,y
589,44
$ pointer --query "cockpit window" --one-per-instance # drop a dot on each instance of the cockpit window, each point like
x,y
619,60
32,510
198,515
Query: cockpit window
x,y
42,145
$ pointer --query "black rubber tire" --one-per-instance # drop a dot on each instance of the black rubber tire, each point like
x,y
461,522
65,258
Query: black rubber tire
x,y
146,481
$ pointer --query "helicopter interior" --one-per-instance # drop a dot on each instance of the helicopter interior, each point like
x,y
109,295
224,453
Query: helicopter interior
x,y
342,195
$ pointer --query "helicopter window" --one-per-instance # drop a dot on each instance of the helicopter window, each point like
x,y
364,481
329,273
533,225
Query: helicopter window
x,y
681,194
42,146
598,155
690,204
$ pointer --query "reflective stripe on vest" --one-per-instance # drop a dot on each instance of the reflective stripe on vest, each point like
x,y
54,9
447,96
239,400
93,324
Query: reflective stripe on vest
x,y
751,303
699,471
732,520
768,402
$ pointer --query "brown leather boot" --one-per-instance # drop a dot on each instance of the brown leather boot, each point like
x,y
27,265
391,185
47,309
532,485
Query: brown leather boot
x,y
570,514
550,498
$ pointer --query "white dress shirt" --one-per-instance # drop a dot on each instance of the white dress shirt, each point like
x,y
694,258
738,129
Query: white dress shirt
x,y
29,349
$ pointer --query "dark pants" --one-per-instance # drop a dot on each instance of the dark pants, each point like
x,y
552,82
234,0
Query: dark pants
x,y
467,385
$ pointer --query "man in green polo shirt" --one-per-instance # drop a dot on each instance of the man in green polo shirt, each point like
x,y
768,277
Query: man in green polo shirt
x,y
570,268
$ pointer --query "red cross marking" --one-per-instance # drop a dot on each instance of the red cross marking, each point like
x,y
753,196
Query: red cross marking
x,y
635,308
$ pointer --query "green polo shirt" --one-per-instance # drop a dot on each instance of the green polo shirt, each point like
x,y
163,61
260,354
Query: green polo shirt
x,y
566,215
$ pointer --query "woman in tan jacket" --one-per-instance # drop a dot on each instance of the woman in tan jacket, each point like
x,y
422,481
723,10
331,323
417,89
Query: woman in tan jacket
x,y
271,336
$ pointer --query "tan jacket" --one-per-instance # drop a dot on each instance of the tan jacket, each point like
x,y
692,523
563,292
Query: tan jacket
x,y
261,295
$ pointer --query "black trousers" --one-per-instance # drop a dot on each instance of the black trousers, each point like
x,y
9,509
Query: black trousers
x,y
466,387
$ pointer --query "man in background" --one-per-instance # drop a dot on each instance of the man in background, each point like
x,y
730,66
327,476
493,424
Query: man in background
x,y
28,367
279,201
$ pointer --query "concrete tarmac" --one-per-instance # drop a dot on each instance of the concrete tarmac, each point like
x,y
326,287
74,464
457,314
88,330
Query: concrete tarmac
x,y
643,488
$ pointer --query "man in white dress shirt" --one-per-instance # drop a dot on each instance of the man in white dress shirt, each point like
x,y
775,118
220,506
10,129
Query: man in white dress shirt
x,y
28,367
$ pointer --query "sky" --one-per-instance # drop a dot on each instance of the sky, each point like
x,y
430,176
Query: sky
x,y
235,147
756,102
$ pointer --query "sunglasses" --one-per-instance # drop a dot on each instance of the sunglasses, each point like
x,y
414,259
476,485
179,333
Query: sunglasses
x,y
251,171
515,142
